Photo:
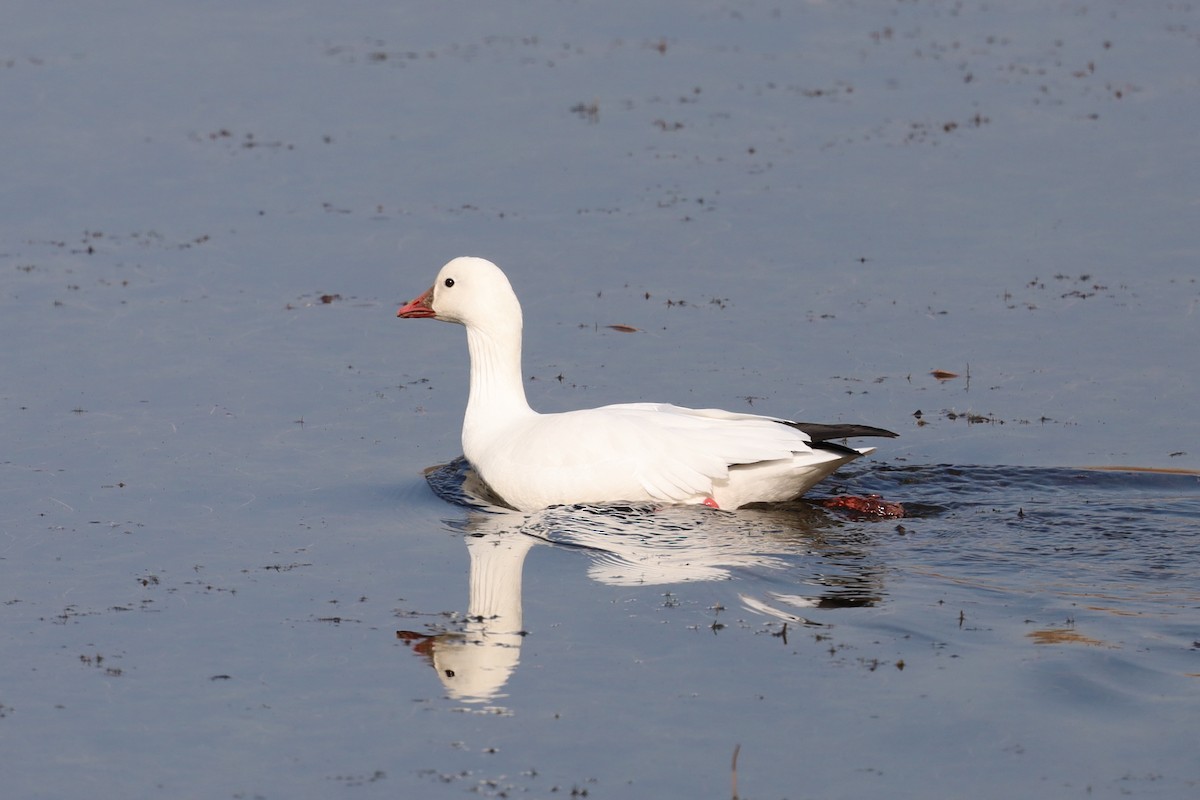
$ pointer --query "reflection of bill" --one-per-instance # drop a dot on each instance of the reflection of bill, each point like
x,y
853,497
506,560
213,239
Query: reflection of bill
x,y
823,565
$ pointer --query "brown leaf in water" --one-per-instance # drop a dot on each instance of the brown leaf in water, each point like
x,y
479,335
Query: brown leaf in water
x,y
1064,636
943,375
624,328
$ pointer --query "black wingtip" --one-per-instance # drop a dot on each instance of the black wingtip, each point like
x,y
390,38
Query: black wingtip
x,y
821,432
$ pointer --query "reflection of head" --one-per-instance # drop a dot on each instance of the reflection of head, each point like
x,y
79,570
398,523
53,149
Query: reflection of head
x,y
474,664
476,669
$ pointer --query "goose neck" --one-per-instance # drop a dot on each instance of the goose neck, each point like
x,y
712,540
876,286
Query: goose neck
x,y
497,390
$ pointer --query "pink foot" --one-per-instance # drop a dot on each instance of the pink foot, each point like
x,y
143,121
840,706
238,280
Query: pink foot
x,y
708,501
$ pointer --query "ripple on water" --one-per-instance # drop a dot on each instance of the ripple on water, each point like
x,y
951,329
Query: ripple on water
x,y
1124,542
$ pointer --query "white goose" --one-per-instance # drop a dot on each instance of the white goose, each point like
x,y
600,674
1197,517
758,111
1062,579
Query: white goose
x,y
632,452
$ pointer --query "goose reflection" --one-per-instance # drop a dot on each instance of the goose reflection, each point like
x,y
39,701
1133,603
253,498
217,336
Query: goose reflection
x,y
632,545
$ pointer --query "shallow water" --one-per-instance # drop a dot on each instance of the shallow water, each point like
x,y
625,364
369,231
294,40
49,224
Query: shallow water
x,y
223,574
865,647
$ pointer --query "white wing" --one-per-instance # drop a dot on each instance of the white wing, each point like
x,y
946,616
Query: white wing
x,y
633,451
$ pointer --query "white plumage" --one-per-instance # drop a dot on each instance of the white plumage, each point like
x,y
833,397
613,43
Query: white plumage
x,y
631,452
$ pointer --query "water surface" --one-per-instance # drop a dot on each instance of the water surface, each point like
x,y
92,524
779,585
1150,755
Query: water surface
x,y
223,573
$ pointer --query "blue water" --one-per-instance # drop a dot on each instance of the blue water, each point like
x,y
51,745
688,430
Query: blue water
x,y
223,572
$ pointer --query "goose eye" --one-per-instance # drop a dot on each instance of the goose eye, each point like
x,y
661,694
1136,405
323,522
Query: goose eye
x,y
448,282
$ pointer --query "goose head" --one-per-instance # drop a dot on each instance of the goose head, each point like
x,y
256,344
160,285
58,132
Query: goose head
x,y
469,291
